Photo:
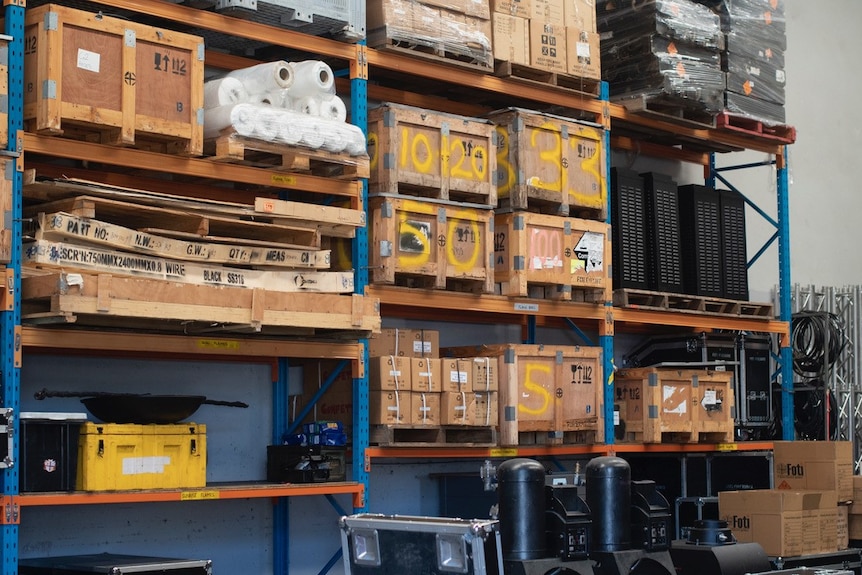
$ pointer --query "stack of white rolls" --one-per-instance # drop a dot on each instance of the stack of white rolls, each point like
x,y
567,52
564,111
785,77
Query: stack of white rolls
x,y
288,102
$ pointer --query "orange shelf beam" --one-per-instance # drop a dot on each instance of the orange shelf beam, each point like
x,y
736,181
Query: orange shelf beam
x,y
204,494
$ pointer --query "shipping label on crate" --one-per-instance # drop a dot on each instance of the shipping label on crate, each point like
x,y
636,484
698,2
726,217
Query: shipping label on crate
x,y
549,160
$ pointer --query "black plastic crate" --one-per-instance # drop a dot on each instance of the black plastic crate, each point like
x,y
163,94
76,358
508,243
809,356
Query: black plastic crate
x,y
663,233
733,249
628,228
700,219
49,450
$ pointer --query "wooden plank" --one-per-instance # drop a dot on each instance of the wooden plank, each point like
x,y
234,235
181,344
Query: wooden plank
x,y
61,226
138,216
45,254
173,303
332,215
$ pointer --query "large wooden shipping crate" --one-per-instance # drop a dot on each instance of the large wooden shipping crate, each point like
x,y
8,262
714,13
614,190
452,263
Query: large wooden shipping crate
x,y
568,257
433,154
674,405
548,389
550,164
427,243
125,82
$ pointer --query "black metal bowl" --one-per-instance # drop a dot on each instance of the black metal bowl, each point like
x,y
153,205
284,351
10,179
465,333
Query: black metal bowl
x,y
143,409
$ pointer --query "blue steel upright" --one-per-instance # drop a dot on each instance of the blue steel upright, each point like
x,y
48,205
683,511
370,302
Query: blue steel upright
x,y
11,320
606,337
786,360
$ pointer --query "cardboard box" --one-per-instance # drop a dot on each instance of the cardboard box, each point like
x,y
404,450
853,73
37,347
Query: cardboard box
x,y
424,408
425,375
583,54
547,12
389,372
469,408
828,540
457,375
820,465
405,343
334,405
511,39
854,526
842,528
548,46
784,522
474,8
485,374
519,8
389,407
580,14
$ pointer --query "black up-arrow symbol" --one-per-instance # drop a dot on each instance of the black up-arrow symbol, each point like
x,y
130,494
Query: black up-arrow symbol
x,y
129,77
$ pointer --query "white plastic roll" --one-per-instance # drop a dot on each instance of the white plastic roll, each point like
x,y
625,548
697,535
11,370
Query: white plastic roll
x,y
289,129
240,117
266,123
274,98
354,139
311,135
311,77
333,108
308,105
334,140
224,92
267,77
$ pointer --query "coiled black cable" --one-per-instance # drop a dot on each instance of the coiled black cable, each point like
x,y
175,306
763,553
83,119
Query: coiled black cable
x,y
817,339
812,406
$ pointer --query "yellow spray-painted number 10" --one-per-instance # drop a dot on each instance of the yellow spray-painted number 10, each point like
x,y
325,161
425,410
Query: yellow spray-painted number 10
x,y
456,157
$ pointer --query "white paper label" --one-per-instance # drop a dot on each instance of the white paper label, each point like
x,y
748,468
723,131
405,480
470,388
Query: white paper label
x,y
583,49
395,373
458,376
616,418
709,398
90,61
141,465
668,392
422,347
779,76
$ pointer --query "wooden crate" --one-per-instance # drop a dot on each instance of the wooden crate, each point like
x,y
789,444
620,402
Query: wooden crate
x,y
565,258
7,173
658,405
433,244
104,300
432,154
552,389
97,77
550,164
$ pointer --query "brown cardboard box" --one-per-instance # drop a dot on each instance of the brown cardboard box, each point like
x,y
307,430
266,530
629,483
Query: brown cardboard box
x,y
485,373
469,408
389,373
783,522
511,39
519,8
548,46
857,490
405,342
580,14
424,408
389,407
425,374
854,526
457,374
842,518
474,8
820,465
828,540
583,54
334,405
547,12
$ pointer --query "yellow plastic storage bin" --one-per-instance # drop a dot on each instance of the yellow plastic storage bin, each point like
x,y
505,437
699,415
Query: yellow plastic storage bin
x,y
123,456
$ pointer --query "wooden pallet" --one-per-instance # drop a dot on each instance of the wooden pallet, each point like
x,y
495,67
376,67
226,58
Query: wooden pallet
x,y
436,436
667,110
450,53
730,122
581,437
644,299
681,437
236,149
529,74
553,292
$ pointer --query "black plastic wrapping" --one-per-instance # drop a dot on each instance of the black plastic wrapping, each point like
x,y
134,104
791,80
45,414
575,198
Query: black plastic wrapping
x,y
680,20
763,19
754,78
755,109
748,46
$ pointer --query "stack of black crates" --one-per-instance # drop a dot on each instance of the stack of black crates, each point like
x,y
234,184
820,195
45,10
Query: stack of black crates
x,y
753,58
677,239
663,51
